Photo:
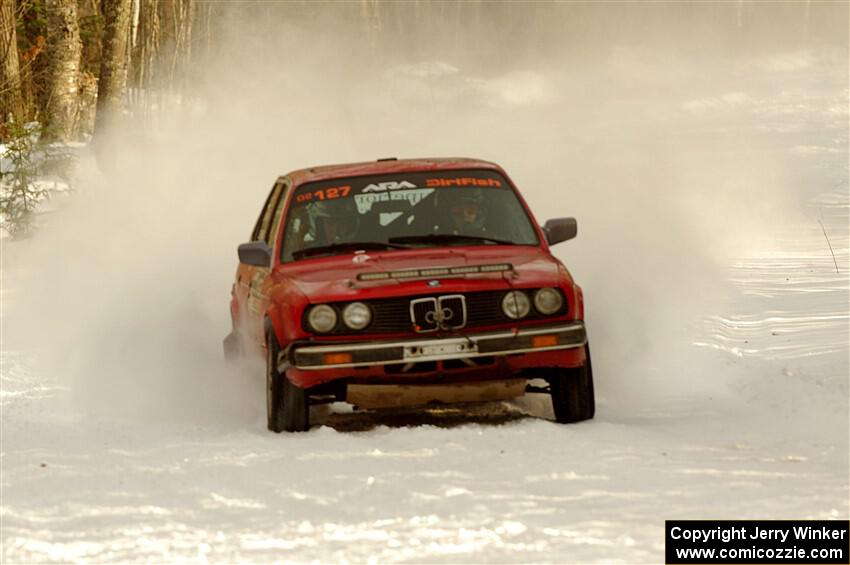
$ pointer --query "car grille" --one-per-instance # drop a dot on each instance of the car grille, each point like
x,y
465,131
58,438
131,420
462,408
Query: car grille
x,y
393,315
430,314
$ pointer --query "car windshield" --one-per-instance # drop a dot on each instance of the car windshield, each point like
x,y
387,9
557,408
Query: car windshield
x,y
424,209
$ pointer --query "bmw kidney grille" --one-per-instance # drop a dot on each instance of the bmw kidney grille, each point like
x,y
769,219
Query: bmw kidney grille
x,y
438,313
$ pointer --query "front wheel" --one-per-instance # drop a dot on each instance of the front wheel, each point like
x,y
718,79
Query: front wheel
x,y
296,407
287,405
274,387
572,393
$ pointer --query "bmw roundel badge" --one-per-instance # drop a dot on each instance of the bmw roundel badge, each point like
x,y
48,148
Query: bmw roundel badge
x,y
433,283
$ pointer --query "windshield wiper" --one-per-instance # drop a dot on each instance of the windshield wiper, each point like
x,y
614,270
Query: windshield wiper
x,y
448,238
344,246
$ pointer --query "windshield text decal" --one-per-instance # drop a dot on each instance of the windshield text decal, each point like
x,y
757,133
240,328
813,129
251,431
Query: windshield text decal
x,y
461,181
388,185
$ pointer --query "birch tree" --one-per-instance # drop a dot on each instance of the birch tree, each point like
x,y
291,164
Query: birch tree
x,y
112,84
162,53
176,48
11,100
146,49
145,57
64,48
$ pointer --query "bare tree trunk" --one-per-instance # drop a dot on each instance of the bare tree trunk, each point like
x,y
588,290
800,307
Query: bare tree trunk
x,y
64,49
145,55
183,55
177,16
112,84
168,42
11,99
202,33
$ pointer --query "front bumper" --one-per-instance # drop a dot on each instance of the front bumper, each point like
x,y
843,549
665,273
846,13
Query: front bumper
x,y
308,357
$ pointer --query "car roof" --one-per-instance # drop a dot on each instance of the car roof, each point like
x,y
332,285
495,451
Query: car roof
x,y
387,166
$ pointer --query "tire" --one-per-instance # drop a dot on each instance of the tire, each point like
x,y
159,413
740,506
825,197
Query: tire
x,y
296,407
287,405
274,387
572,393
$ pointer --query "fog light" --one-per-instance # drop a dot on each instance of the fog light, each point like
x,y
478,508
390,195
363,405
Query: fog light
x,y
337,358
544,341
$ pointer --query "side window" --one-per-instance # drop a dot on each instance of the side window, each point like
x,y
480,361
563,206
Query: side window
x,y
262,227
277,215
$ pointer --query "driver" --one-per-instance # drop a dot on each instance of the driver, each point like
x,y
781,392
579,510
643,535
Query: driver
x,y
332,221
467,211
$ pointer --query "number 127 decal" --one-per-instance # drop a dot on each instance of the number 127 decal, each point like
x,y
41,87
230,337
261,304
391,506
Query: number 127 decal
x,y
330,193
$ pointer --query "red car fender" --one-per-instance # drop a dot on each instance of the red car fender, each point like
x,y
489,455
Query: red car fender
x,y
579,302
572,291
286,305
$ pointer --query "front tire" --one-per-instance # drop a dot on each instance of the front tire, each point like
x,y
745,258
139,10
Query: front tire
x,y
287,405
296,407
274,387
573,399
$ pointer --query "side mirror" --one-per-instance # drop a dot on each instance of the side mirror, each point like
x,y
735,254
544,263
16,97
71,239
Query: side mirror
x,y
256,253
560,229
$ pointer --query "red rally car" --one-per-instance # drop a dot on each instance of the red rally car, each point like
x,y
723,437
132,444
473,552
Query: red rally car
x,y
406,282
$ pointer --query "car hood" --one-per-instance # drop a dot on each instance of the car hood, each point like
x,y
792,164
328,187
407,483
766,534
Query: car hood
x,y
336,277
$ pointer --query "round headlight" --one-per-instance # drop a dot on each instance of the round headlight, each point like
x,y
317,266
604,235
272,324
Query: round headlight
x,y
548,301
516,305
356,315
322,318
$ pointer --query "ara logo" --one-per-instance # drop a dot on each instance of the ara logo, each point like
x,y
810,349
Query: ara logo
x,y
389,185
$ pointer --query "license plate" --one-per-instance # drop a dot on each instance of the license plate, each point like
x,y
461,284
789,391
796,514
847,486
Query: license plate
x,y
440,349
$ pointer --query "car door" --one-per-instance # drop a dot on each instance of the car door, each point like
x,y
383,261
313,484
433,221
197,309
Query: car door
x,y
248,315
263,283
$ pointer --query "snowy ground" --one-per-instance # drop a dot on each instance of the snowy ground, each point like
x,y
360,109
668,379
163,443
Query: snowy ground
x,y
747,417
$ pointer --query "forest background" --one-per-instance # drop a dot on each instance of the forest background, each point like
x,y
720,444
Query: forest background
x,y
74,70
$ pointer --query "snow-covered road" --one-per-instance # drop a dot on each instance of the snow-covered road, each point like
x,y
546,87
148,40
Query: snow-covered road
x,y
746,416
491,483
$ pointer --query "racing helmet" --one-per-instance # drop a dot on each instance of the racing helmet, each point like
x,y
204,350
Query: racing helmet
x,y
333,221
466,206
